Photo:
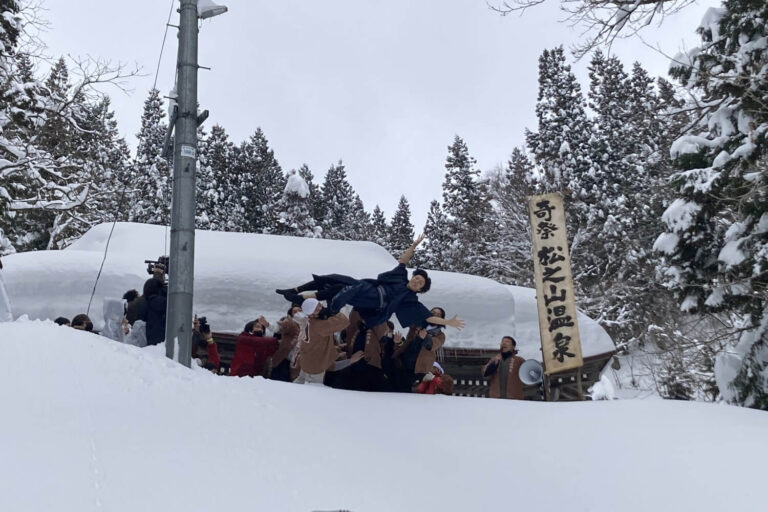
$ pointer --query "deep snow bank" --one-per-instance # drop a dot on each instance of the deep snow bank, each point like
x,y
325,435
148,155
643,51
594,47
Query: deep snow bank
x,y
90,424
236,275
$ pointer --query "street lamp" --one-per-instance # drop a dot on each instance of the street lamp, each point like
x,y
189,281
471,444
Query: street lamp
x,y
208,9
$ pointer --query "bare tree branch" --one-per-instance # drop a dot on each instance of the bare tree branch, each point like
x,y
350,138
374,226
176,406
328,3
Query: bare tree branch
x,y
603,20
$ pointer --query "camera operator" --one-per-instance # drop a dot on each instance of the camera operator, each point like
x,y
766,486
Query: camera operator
x,y
152,309
202,338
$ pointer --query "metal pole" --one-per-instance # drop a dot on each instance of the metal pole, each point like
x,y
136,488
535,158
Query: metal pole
x,y
178,327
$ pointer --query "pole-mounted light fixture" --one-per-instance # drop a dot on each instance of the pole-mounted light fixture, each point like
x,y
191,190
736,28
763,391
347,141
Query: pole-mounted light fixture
x,y
208,9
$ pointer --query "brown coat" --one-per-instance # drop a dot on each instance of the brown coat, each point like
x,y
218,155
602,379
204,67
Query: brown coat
x,y
289,335
514,384
372,347
319,352
428,357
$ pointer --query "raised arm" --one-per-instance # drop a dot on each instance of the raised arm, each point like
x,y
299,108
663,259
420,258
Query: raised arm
x,y
408,254
454,321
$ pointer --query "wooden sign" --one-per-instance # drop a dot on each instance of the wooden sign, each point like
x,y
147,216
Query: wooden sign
x,y
558,325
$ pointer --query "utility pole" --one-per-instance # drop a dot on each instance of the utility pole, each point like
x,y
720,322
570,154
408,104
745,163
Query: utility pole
x,y
178,327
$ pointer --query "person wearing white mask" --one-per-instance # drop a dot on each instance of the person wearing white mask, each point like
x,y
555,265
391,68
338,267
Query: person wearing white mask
x,y
317,346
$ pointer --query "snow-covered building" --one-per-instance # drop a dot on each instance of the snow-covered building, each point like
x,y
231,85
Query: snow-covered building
x,y
236,275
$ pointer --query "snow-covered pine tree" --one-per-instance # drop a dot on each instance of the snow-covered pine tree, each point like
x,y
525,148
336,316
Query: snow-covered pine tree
x,y
203,181
57,136
294,215
33,184
84,139
560,147
218,191
338,205
509,260
715,239
105,162
261,182
360,221
466,205
380,228
315,194
616,257
433,252
150,175
401,229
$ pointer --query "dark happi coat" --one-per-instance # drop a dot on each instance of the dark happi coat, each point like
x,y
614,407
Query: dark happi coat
x,y
514,384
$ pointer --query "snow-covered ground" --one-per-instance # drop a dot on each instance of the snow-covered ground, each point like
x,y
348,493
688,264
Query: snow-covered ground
x,y
236,275
93,425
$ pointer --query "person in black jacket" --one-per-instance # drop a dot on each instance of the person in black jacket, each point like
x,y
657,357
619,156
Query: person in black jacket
x,y
152,310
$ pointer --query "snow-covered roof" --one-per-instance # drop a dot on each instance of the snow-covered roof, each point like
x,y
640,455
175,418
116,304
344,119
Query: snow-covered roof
x,y
236,275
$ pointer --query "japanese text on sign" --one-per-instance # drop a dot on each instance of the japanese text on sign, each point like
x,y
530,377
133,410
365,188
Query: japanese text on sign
x,y
558,325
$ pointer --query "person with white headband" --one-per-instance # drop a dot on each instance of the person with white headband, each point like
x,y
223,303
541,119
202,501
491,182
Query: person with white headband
x,y
317,346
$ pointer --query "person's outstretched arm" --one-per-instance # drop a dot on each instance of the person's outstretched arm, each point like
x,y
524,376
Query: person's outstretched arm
x,y
408,254
454,321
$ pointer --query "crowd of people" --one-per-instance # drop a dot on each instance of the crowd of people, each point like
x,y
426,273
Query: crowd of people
x,y
336,332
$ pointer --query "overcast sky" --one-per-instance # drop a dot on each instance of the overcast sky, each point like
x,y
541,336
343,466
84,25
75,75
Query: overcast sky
x,y
384,86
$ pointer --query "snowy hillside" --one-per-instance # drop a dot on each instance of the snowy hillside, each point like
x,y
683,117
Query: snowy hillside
x,y
90,424
236,275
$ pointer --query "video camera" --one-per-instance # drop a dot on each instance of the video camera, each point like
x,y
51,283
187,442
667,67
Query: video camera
x,y
162,262
204,326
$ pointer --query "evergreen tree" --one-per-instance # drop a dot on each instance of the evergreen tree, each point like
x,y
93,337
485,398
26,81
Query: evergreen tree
x,y
339,202
150,176
360,228
510,251
465,203
261,183
84,139
294,215
315,195
380,229
401,229
715,239
219,205
60,152
560,147
105,161
57,137
35,183
433,252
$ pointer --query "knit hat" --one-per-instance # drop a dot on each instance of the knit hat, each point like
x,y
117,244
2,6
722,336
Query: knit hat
x,y
309,305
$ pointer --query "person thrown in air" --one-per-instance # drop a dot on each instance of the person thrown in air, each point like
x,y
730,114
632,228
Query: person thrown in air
x,y
376,300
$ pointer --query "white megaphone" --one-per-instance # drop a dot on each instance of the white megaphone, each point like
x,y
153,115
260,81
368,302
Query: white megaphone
x,y
531,372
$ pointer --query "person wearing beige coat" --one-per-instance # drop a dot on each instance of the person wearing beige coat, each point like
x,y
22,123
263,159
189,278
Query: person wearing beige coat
x,y
317,348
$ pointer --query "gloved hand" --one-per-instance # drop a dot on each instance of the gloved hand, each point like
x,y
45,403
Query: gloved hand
x,y
428,377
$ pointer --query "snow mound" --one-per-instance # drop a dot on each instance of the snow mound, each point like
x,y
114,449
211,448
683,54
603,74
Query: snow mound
x,y
236,275
91,424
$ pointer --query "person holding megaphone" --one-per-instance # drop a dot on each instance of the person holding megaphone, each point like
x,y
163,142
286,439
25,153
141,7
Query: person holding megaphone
x,y
503,372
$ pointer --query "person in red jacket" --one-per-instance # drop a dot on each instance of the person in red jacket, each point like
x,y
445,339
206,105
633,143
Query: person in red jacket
x,y
252,349
435,383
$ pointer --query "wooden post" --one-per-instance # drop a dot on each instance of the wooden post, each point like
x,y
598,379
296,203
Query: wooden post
x,y
579,389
